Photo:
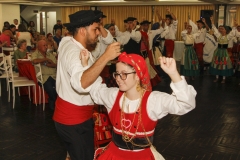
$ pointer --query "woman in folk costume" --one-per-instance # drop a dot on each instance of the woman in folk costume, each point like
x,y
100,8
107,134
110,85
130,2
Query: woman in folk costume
x,y
134,108
171,22
189,62
221,62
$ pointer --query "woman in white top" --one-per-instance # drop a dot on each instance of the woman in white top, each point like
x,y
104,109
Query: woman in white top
x,y
189,62
24,34
134,108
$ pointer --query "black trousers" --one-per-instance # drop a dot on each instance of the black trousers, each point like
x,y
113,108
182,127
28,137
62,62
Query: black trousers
x,y
50,88
78,139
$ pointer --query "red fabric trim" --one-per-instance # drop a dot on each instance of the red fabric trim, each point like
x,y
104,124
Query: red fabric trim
x,y
230,54
71,114
169,45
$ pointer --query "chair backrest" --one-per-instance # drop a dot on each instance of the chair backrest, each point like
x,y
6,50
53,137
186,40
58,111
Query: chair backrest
x,y
38,71
8,67
2,63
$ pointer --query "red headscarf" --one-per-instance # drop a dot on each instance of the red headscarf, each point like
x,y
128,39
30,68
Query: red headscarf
x,y
140,67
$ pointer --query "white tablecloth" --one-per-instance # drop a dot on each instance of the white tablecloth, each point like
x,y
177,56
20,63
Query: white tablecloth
x,y
178,50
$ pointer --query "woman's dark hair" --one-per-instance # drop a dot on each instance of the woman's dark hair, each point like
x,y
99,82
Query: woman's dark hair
x,y
227,28
30,22
22,28
6,24
12,26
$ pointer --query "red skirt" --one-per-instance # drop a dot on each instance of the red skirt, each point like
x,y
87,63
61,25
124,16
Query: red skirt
x,y
199,51
169,45
112,152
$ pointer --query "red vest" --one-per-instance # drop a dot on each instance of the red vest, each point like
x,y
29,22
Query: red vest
x,y
115,118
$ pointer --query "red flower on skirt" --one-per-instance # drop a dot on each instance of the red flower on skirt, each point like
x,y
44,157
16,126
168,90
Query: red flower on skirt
x,y
225,62
216,62
193,62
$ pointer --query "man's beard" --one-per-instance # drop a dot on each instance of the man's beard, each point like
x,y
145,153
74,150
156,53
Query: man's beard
x,y
91,46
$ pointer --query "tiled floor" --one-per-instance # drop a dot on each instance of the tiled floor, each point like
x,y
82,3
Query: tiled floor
x,y
209,132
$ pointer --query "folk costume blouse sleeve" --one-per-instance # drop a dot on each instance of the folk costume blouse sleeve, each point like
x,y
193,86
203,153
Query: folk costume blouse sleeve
x,y
180,102
136,35
123,38
216,32
194,26
184,34
103,95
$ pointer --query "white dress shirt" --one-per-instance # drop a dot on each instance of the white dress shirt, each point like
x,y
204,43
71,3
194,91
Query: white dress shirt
x,y
69,73
159,104
172,31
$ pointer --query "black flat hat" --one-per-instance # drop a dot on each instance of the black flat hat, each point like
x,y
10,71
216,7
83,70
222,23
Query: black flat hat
x,y
145,22
130,19
200,21
82,17
96,12
168,16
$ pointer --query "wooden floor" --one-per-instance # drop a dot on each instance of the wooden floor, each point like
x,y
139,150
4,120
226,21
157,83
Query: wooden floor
x,y
210,132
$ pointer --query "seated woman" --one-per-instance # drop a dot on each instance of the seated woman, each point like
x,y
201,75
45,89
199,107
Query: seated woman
x,y
20,53
52,45
134,108
6,36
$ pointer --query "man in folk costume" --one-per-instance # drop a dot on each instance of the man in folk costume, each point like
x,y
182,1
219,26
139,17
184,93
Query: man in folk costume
x,y
199,41
133,45
146,48
210,45
74,106
172,22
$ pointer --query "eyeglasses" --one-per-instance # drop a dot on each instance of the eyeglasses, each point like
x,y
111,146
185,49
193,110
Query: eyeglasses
x,y
123,76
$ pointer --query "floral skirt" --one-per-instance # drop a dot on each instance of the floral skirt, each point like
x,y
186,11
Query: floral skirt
x,y
221,63
189,64
112,152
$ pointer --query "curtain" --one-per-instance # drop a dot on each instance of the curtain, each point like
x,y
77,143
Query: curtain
x,y
119,13
181,13
238,14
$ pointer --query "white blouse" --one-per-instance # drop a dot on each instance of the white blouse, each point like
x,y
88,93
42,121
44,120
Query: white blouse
x,y
189,38
159,104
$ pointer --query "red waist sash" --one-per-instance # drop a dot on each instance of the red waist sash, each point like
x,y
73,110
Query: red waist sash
x,y
71,114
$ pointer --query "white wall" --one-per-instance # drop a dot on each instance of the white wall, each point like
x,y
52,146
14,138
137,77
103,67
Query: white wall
x,y
9,12
53,9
